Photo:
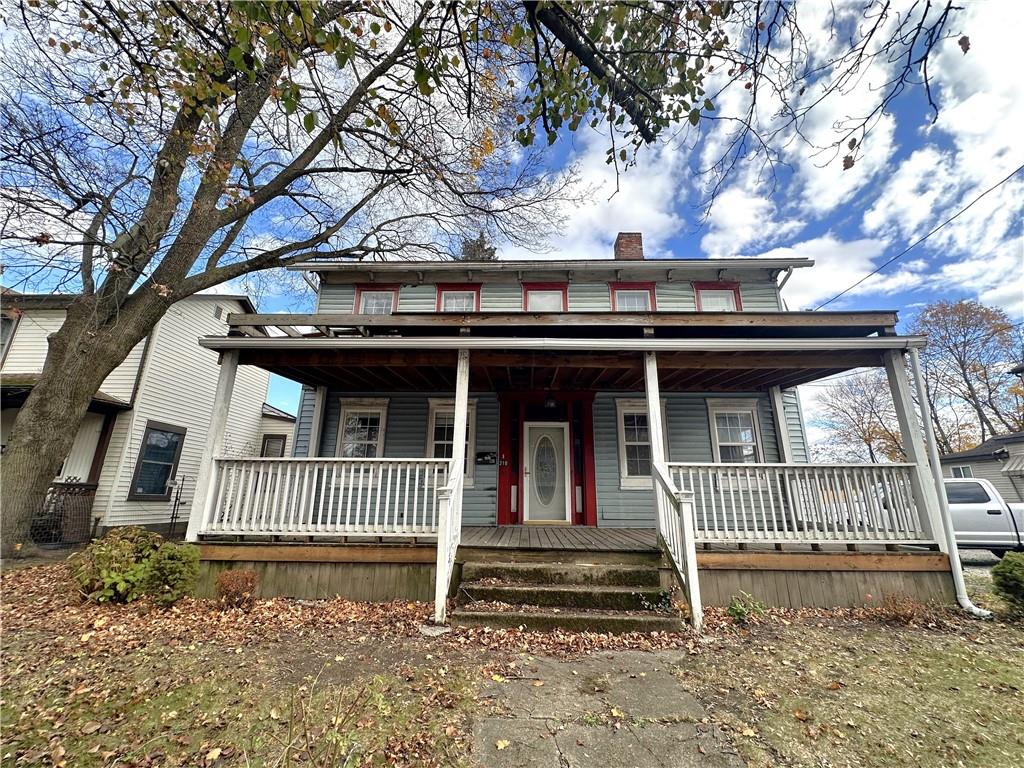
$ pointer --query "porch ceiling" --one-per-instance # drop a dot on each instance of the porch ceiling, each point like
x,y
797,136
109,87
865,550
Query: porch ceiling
x,y
494,370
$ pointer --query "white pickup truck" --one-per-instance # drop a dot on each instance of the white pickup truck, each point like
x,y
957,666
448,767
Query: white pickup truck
x,y
981,519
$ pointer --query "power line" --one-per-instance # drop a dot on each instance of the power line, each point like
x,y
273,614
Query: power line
x,y
920,240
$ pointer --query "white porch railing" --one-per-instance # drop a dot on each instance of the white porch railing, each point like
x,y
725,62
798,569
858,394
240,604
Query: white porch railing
x,y
325,497
675,528
810,503
449,535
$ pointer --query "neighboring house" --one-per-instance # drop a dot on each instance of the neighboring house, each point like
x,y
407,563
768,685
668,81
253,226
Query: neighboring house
x,y
611,407
999,460
276,428
136,456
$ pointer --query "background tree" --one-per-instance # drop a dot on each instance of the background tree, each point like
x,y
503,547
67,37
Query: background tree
x,y
971,351
857,413
150,150
478,249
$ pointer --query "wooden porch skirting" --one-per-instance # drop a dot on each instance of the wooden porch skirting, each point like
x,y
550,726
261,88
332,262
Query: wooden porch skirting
x,y
379,573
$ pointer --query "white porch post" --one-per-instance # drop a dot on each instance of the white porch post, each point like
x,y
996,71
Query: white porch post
x,y
202,502
317,424
683,508
449,519
913,443
781,426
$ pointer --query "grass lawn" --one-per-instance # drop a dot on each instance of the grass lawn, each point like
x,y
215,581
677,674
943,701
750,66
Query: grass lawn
x,y
316,683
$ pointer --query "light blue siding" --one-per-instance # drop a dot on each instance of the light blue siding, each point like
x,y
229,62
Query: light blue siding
x,y
405,437
795,425
689,439
583,297
303,421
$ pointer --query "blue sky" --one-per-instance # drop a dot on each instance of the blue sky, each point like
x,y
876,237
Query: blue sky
x,y
913,175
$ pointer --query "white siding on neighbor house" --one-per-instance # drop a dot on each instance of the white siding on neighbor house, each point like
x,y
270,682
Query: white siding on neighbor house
x,y
177,387
676,296
28,348
271,426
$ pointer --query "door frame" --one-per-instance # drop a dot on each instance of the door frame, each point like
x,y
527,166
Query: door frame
x,y
526,455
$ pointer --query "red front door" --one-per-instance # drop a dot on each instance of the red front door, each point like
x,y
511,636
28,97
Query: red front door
x,y
573,408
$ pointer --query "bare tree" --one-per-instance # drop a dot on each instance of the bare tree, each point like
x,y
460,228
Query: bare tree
x,y
857,412
478,249
150,150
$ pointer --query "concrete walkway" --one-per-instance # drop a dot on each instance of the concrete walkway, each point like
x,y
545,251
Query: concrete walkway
x,y
613,710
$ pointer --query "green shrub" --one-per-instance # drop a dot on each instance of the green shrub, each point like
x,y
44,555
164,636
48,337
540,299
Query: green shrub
x,y
744,606
131,562
172,572
1008,581
101,567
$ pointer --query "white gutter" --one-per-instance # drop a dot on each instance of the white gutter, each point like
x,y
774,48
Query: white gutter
x,y
411,266
940,489
568,345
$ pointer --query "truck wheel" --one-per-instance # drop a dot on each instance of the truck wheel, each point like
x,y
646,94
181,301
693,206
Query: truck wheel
x,y
999,552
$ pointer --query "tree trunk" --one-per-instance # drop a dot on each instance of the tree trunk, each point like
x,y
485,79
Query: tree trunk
x,y
80,356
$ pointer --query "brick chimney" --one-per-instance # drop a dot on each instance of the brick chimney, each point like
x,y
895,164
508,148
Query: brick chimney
x,y
629,246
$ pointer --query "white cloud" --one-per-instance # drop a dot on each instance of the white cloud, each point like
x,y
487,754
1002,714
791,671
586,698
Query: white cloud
x,y
740,218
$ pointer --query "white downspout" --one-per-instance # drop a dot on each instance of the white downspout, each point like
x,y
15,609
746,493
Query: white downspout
x,y
940,490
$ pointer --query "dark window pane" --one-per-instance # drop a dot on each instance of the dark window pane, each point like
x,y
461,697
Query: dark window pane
x,y
966,493
153,479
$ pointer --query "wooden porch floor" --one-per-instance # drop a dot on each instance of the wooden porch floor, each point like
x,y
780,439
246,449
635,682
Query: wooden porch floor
x,y
577,537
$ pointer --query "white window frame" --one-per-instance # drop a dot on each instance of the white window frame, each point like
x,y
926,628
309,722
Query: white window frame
x,y
620,292
531,292
364,405
635,405
446,292
441,405
365,292
737,405
960,468
709,292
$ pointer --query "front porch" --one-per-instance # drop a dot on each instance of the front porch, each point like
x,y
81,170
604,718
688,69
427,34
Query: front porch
x,y
574,387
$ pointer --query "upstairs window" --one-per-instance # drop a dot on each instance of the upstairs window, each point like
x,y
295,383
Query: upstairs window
x,y
632,297
964,471
717,297
376,300
158,462
458,298
545,297
734,431
361,429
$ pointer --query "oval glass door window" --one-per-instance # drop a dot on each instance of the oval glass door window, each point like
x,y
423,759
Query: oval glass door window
x,y
545,470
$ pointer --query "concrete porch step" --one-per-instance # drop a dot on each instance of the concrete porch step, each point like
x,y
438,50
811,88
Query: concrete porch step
x,y
567,596
576,620
563,573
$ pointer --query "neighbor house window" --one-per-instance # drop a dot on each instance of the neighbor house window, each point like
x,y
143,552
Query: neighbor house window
x,y
158,462
376,300
634,442
361,429
273,446
632,297
545,297
964,471
458,298
441,433
717,297
734,431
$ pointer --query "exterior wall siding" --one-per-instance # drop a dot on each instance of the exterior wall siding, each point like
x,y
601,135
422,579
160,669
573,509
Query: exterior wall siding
x,y
176,361
795,425
582,297
271,426
28,348
689,439
406,438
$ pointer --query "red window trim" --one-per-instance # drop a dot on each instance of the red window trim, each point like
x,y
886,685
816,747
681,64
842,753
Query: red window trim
x,y
442,287
722,285
620,286
563,287
395,288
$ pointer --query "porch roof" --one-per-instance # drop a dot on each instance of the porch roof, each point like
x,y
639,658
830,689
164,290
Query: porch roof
x,y
427,363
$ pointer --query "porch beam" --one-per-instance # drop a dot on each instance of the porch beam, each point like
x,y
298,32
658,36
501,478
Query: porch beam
x,y
781,425
547,344
202,502
913,444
